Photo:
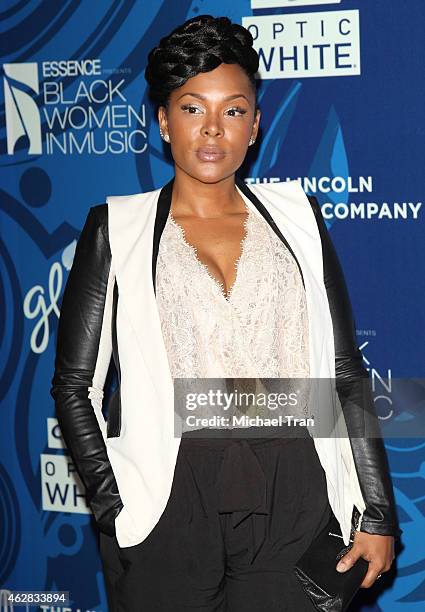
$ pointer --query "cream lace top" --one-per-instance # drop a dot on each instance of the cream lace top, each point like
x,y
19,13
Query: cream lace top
x,y
259,330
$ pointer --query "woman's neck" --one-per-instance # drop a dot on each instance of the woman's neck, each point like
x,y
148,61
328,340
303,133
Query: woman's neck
x,y
192,197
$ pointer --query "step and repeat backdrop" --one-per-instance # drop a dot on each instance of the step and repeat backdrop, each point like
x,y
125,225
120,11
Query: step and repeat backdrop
x,y
341,95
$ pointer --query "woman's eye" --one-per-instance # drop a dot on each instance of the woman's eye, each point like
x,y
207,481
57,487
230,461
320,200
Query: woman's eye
x,y
190,109
195,110
237,109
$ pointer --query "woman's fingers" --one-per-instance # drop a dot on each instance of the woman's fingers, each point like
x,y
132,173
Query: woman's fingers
x,y
373,572
376,549
348,560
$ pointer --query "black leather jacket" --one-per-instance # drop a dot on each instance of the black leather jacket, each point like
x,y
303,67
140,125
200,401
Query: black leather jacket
x,y
77,347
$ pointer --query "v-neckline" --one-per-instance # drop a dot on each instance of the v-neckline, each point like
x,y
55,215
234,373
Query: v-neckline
x,y
218,284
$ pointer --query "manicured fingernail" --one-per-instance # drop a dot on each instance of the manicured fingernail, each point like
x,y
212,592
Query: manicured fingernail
x,y
341,567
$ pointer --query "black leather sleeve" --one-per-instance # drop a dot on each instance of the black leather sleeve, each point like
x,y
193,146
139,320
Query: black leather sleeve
x,y
355,395
79,331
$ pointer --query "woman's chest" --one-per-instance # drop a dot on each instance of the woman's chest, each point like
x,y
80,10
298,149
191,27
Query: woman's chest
x,y
264,271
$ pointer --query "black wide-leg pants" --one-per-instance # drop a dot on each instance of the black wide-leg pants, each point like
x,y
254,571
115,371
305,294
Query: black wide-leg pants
x,y
240,514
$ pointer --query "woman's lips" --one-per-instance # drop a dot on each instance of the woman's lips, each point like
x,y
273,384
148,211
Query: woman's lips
x,y
209,154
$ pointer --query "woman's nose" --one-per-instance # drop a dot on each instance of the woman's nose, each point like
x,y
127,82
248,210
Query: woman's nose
x,y
212,126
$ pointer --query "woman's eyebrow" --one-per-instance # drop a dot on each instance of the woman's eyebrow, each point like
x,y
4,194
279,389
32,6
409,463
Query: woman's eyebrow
x,y
201,97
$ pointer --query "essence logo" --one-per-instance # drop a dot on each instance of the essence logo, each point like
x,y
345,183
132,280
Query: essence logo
x,y
67,107
21,83
22,116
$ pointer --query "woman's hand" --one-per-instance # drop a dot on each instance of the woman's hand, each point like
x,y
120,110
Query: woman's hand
x,y
377,549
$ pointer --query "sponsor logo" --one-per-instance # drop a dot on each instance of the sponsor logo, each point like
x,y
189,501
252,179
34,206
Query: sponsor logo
x,y
321,44
68,107
62,490
39,308
265,4
22,115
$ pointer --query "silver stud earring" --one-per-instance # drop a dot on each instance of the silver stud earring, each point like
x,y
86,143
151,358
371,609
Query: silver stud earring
x,y
164,136
251,141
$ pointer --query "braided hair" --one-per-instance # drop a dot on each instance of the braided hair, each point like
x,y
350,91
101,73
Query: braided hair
x,y
200,44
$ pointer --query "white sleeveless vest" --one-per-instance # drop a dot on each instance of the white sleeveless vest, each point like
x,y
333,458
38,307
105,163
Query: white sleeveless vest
x,y
143,457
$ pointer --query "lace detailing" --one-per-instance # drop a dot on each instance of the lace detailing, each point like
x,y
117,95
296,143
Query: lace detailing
x,y
259,330
220,284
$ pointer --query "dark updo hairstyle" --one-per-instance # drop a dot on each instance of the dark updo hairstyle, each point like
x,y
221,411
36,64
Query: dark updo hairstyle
x,y
198,45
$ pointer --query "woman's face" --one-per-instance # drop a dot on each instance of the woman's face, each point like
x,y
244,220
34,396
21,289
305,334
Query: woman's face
x,y
210,120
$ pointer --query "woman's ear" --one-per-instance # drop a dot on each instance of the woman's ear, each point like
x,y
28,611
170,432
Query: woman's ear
x,y
256,124
162,119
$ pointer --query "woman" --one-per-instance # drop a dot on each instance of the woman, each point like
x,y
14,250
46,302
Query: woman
x,y
207,278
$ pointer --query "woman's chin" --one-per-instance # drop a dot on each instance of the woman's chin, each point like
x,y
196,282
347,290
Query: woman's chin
x,y
210,173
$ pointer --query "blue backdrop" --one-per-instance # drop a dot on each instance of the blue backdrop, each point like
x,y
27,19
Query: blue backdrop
x,y
342,109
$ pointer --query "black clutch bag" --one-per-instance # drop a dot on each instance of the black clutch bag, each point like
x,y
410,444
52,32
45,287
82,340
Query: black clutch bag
x,y
328,589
